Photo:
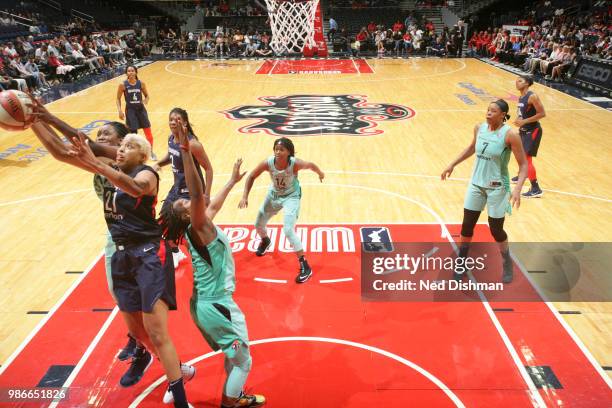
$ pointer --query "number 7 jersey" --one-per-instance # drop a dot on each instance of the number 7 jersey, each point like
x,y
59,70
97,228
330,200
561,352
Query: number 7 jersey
x,y
492,157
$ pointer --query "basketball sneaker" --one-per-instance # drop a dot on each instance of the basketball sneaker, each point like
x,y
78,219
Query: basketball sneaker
x,y
188,374
514,179
305,272
508,270
178,257
140,362
246,401
533,193
263,245
128,350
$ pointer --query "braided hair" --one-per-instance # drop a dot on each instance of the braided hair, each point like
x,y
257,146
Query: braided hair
x,y
172,223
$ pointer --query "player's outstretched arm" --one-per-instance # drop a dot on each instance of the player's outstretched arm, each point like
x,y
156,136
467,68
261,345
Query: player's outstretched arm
x,y
256,172
144,183
514,140
304,165
465,154
217,201
202,228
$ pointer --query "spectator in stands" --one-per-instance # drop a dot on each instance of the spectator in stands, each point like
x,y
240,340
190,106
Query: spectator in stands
x,y
560,70
333,27
16,69
407,38
398,42
32,67
10,77
10,50
80,58
264,49
362,37
437,48
397,26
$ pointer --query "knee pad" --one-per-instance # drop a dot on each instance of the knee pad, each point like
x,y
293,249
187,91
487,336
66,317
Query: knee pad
x,y
470,217
242,358
497,229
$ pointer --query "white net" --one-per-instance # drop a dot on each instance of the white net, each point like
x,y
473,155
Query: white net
x,y
292,23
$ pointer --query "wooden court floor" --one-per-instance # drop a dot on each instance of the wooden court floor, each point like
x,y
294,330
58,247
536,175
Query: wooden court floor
x,y
51,221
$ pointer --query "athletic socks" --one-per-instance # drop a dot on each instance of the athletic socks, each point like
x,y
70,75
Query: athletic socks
x,y
534,185
149,136
178,393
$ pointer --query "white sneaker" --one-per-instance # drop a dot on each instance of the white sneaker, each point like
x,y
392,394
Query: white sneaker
x,y
178,257
188,374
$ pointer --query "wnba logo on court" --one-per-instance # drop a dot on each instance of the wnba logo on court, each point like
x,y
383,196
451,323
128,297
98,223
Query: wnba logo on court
x,y
315,115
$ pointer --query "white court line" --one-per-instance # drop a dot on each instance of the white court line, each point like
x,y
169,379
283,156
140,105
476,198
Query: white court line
x,y
356,67
335,280
317,79
272,69
379,173
374,71
270,280
98,84
42,197
563,323
443,387
194,111
88,352
40,324
533,392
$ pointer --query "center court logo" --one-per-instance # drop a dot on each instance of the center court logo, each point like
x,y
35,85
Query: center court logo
x,y
316,115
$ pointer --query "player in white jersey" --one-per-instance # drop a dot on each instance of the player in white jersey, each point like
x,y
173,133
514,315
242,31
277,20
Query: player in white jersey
x,y
285,193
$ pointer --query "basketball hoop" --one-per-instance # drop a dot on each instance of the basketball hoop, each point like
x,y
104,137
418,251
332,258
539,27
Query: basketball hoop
x,y
292,23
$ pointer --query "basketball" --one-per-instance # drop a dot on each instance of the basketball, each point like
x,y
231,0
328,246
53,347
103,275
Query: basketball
x,y
15,115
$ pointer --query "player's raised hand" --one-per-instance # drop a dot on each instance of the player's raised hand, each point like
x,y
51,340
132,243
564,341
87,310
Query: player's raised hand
x,y
183,134
39,111
236,175
81,150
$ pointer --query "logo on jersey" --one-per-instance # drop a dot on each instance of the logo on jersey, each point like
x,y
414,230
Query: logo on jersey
x,y
316,115
376,239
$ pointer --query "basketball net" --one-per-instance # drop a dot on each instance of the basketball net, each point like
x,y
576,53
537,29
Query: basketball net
x,y
292,23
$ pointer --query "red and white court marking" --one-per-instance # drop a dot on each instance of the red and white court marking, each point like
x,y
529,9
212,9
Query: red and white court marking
x,y
313,66
318,344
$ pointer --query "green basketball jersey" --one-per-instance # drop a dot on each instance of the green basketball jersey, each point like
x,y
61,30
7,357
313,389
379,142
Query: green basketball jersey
x,y
99,183
492,157
284,182
217,278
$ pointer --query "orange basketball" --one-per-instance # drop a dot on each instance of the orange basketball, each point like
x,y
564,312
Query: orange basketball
x,y
15,115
